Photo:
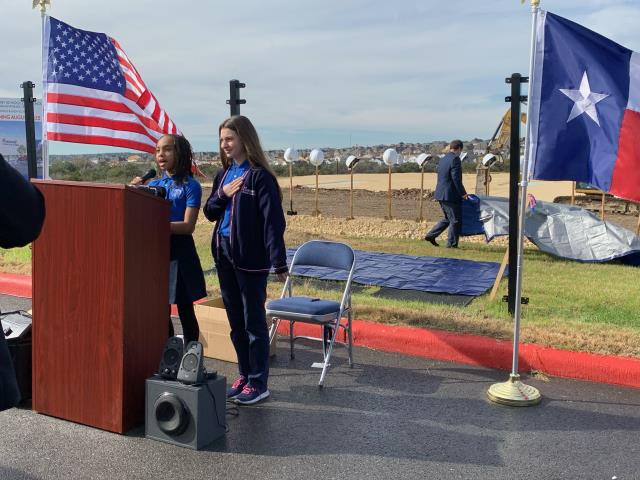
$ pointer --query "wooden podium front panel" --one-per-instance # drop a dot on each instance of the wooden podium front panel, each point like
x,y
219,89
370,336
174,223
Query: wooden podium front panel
x,y
146,301
80,304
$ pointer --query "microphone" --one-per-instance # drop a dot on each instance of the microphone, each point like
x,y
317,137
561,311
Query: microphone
x,y
147,176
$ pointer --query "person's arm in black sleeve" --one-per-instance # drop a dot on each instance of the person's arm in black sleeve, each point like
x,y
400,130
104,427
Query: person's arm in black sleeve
x,y
217,201
21,208
274,222
21,218
456,176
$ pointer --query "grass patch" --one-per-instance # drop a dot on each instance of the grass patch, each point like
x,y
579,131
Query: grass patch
x,y
16,260
574,306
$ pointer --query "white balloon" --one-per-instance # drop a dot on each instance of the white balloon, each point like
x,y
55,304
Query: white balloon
x,y
316,157
291,155
390,156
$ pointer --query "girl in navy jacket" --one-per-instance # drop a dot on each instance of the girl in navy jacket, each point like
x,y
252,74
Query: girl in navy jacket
x,y
247,242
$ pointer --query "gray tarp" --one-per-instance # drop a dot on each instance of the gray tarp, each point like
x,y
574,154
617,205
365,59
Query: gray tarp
x,y
563,230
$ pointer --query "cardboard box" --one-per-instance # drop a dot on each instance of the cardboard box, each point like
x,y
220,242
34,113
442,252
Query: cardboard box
x,y
215,330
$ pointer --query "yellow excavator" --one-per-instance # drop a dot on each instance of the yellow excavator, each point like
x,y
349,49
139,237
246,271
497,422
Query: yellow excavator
x,y
496,148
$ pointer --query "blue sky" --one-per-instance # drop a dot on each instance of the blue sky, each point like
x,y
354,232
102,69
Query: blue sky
x,y
318,74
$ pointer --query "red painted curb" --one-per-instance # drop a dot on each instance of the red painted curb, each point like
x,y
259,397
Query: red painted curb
x,y
16,285
453,347
487,352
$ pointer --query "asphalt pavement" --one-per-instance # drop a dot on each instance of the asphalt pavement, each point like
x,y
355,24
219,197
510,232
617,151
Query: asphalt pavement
x,y
390,416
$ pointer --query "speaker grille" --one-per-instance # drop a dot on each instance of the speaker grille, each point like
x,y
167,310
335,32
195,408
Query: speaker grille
x,y
190,361
171,356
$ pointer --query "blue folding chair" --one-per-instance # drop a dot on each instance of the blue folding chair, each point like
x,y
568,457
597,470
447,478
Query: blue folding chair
x,y
329,315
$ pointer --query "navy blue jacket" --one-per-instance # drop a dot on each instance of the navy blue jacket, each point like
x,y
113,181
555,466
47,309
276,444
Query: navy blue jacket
x,y
449,187
22,214
256,232
21,208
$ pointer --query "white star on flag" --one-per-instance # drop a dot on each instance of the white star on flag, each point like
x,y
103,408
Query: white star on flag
x,y
584,100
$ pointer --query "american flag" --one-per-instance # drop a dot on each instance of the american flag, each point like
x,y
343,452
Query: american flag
x,y
95,95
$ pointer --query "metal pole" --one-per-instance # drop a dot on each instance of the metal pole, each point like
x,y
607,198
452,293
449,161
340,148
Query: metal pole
x,y
45,144
30,128
523,198
514,392
234,97
514,177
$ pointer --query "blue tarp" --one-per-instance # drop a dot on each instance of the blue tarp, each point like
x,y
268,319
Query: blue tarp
x,y
471,223
408,272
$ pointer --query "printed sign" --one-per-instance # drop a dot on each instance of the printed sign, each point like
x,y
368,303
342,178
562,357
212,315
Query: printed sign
x,y
13,138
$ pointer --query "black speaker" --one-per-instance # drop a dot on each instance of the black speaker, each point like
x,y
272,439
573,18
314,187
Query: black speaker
x,y
189,416
171,358
192,367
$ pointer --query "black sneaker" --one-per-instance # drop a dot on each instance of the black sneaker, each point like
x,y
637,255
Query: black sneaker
x,y
236,388
251,395
432,241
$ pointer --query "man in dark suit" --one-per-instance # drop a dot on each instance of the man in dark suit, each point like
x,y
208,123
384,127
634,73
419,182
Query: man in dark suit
x,y
21,218
449,192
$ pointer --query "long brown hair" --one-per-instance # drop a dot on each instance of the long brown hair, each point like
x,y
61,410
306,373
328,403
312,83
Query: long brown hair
x,y
248,136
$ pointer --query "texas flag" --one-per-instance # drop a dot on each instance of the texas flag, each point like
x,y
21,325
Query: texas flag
x,y
585,108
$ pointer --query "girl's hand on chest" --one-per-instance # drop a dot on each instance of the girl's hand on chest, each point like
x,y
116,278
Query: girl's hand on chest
x,y
230,189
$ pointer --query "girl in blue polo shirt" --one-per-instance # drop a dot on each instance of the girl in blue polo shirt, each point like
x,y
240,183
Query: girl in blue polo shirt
x,y
248,240
186,279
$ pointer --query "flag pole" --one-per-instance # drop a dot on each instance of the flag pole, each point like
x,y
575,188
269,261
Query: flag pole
x,y
513,392
43,120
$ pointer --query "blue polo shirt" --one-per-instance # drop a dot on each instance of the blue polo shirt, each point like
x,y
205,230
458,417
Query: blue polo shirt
x,y
235,171
181,195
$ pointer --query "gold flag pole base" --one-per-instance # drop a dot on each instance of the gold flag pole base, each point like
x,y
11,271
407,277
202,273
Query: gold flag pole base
x,y
514,393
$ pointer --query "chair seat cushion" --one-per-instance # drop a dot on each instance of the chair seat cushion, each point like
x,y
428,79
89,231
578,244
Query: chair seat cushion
x,y
304,305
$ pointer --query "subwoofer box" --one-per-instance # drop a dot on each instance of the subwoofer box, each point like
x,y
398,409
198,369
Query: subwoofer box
x,y
190,416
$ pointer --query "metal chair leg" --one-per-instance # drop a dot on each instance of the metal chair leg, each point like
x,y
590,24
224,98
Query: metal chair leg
x,y
291,340
328,357
326,334
350,341
273,330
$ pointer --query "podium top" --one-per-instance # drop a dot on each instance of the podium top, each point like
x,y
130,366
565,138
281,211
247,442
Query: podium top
x,y
98,186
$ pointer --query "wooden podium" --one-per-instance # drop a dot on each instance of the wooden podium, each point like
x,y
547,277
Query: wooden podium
x,y
100,302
